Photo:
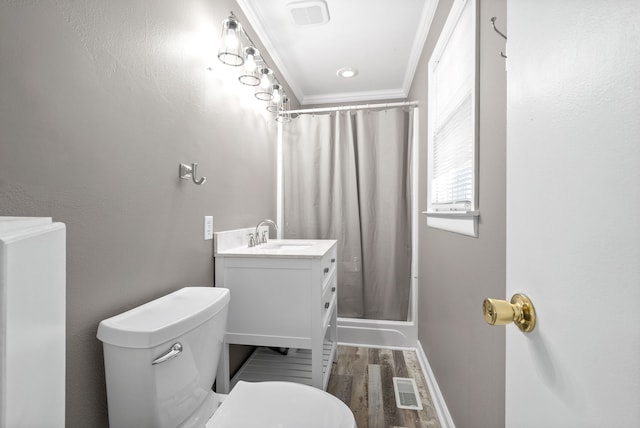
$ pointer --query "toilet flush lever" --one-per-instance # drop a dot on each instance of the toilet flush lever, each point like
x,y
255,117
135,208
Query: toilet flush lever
x,y
171,353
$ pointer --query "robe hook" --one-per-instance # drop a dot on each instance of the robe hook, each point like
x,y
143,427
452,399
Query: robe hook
x,y
189,172
493,23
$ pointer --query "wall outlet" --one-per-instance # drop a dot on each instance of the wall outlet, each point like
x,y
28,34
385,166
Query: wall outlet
x,y
208,227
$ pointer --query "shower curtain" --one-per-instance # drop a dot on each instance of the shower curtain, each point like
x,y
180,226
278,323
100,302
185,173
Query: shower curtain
x,y
347,177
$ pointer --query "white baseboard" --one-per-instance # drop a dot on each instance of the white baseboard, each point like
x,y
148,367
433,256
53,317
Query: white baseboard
x,y
438,400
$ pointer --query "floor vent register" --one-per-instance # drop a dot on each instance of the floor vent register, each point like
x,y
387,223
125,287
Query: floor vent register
x,y
407,396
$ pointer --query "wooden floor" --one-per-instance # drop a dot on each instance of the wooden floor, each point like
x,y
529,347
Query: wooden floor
x,y
362,378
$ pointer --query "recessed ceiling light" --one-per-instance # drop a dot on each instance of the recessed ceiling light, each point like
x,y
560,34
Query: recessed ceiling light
x,y
347,72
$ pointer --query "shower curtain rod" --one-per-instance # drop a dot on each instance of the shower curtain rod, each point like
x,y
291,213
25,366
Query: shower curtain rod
x,y
353,107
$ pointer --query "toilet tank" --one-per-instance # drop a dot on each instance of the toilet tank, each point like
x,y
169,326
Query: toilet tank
x,y
187,328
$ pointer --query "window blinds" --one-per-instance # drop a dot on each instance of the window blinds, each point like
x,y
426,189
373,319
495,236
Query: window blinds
x,y
453,141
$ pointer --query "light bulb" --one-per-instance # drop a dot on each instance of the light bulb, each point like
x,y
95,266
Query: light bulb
x,y
264,81
250,63
231,38
275,94
347,72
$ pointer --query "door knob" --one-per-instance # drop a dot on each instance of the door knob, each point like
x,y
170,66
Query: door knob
x,y
520,311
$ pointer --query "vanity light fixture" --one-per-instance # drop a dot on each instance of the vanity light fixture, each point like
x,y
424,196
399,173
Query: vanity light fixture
x,y
237,49
275,93
263,92
347,72
230,51
276,99
249,75
283,113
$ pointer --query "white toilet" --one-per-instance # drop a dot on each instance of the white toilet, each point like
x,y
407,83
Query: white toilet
x,y
161,360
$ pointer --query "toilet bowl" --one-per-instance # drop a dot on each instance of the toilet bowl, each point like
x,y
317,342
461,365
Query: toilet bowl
x,y
160,363
280,404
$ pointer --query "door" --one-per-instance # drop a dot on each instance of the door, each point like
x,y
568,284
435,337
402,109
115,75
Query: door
x,y
573,212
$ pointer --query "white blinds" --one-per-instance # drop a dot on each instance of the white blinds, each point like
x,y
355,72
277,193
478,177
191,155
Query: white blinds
x,y
453,158
453,124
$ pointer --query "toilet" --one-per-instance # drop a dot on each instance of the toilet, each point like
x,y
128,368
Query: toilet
x,y
161,360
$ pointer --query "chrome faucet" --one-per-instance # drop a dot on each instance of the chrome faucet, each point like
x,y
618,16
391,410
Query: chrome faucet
x,y
265,236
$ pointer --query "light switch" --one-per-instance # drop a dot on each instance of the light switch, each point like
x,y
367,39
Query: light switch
x,y
208,227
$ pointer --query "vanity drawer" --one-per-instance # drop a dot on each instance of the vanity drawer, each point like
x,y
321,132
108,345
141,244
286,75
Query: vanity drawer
x,y
328,293
328,266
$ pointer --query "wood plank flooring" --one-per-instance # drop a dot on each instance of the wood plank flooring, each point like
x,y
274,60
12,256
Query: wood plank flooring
x,y
363,379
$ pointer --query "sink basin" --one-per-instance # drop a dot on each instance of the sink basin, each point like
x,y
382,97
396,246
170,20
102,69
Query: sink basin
x,y
285,246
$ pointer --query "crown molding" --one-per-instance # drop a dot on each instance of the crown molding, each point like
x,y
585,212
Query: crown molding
x,y
426,19
422,32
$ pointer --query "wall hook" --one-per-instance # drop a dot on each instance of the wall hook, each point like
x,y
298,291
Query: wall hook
x,y
189,172
493,23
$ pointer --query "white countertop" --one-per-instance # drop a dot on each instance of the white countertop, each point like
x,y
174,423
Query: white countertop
x,y
282,248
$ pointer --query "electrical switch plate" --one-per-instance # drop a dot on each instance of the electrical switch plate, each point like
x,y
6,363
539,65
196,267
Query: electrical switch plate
x,y
208,227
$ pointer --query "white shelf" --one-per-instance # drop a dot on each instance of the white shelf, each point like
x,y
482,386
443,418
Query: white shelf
x,y
268,365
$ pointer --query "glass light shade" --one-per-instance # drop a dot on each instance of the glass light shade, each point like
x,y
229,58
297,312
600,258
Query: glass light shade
x,y
276,93
275,103
250,71
263,92
283,113
230,51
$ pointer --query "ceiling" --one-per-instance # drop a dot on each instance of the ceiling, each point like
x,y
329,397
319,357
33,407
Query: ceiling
x,y
381,39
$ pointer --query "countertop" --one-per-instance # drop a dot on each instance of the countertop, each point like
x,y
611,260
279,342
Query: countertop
x,y
283,248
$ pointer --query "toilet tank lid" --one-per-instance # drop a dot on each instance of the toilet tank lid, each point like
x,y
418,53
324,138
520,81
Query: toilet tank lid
x,y
163,319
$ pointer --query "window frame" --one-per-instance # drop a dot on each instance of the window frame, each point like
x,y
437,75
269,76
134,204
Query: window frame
x,y
459,218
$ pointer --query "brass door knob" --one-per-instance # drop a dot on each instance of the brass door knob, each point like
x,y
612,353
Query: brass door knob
x,y
520,311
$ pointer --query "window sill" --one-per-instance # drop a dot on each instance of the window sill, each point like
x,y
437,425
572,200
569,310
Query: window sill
x,y
463,223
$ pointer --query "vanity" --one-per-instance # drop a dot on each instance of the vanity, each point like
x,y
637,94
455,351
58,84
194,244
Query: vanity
x,y
283,296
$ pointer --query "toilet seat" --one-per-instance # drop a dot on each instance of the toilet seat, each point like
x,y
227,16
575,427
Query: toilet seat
x,y
280,405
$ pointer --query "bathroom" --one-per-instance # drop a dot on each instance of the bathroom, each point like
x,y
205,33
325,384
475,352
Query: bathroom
x,y
102,100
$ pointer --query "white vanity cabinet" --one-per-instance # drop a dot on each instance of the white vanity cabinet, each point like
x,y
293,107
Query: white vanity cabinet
x,y
283,295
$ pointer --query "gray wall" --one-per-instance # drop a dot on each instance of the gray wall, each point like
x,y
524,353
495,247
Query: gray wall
x,y
99,103
458,272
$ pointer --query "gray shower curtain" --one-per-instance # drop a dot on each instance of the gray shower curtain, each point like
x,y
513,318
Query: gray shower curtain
x,y
347,177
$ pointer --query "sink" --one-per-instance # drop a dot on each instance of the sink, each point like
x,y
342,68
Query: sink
x,y
285,246
235,243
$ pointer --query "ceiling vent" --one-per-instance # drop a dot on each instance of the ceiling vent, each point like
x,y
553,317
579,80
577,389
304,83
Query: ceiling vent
x,y
309,12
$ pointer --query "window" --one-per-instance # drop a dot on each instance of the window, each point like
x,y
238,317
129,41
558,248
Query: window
x,y
452,186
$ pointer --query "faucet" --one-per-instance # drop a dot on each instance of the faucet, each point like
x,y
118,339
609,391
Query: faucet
x,y
264,239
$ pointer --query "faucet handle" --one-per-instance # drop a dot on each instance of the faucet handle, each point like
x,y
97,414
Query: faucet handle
x,y
252,240
265,237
